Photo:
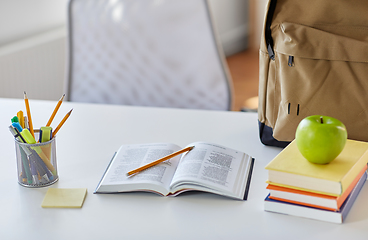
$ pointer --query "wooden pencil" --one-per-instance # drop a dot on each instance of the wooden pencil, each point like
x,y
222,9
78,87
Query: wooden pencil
x,y
61,123
30,125
55,111
159,161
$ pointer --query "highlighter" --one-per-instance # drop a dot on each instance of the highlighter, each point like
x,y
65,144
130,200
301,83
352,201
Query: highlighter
x,y
28,152
21,118
30,140
45,134
17,126
23,152
14,119
33,158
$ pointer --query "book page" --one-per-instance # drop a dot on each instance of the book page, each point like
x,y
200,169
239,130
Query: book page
x,y
130,157
214,167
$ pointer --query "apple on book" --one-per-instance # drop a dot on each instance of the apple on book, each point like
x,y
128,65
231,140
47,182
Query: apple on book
x,y
320,139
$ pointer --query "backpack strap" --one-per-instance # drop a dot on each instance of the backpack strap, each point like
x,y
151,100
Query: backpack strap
x,y
269,40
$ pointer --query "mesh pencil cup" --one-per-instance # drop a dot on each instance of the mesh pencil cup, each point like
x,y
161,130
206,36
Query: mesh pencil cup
x,y
36,163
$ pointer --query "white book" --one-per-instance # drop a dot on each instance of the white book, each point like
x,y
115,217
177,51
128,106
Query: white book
x,y
207,167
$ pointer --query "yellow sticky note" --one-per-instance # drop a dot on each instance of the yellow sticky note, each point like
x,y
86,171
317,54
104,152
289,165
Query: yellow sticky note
x,y
64,198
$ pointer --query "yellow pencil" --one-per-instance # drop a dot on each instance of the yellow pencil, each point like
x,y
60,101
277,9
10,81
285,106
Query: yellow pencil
x,y
55,111
28,114
61,123
159,161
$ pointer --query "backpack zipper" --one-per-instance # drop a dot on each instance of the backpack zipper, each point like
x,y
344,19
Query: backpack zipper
x,y
291,61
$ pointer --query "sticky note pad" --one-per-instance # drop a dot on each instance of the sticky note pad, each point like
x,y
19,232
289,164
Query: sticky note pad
x,y
64,198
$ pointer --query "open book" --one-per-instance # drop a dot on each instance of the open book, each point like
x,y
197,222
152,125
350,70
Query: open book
x,y
207,167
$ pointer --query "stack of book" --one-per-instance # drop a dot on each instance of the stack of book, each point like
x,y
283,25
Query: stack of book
x,y
323,192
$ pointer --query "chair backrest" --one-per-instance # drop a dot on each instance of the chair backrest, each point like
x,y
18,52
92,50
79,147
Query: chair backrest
x,y
160,53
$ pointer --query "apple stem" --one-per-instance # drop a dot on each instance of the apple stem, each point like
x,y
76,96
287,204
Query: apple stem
x,y
321,119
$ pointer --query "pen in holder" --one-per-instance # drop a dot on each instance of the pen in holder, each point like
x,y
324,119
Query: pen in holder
x,y
36,163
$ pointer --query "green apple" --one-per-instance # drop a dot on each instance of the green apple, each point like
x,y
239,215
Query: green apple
x,y
320,139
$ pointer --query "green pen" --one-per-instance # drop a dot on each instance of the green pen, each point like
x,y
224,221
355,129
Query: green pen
x,y
15,119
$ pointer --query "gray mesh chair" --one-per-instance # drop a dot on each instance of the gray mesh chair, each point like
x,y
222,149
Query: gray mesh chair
x,y
161,53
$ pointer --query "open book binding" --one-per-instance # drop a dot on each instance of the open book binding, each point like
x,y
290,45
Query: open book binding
x,y
208,168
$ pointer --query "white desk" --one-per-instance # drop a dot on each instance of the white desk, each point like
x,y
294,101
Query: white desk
x,y
85,145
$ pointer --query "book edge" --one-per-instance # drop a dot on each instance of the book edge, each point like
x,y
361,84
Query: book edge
x,y
339,200
103,175
344,210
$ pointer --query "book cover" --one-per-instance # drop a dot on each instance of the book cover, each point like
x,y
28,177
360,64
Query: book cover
x,y
276,206
289,167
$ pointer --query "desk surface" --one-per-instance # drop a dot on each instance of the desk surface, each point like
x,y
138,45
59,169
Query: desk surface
x,y
85,145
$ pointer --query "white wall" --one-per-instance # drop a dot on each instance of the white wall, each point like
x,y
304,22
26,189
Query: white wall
x,y
259,21
231,18
24,18
29,22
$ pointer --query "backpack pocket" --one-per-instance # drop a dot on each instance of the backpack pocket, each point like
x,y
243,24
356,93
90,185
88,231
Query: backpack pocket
x,y
318,70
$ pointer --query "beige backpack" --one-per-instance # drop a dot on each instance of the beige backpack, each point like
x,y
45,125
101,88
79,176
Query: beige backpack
x,y
313,60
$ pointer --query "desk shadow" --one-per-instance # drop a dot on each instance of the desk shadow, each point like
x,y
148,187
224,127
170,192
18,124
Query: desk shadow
x,y
359,211
184,195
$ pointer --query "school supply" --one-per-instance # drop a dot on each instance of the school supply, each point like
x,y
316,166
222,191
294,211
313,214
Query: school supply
x,y
62,123
45,134
309,198
38,171
55,110
15,119
26,172
290,169
64,198
26,122
207,167
17,126
144,167
312,61
20,118
318,191
36,161
28,114
276,206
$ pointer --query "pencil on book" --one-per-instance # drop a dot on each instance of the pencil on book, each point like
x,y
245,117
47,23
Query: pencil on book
x,y
61,123
28,114
55,111
159,161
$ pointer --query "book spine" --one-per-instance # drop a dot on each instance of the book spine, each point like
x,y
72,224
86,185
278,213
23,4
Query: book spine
x,y
249,179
